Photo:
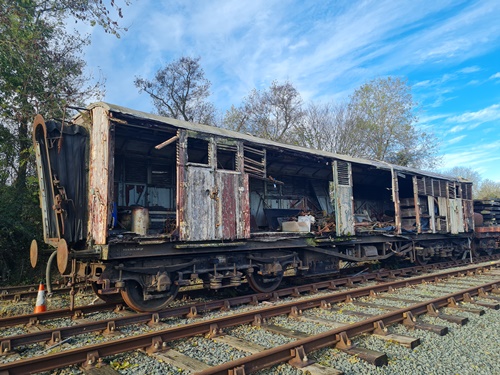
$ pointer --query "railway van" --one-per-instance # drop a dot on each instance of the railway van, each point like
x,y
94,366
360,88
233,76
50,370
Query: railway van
x,y
140,205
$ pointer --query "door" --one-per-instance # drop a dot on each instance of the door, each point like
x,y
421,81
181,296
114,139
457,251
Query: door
x,y
343,198
199,217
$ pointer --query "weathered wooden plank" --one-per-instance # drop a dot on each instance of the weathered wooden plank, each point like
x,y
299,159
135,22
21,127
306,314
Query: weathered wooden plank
x,y
199,216
244,194
180,360
100,176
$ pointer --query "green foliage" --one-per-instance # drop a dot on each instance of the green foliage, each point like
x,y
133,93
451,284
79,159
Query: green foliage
x,y
41,71
20,223
489,189
386,124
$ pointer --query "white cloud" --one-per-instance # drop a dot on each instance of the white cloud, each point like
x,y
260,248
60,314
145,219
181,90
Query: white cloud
x,y
490,113
473,82
456,139
457,129
474,158
424,83
324,48
470,69
495,76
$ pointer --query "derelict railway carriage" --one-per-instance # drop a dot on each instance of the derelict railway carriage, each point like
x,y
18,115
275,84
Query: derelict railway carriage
x,y
141,204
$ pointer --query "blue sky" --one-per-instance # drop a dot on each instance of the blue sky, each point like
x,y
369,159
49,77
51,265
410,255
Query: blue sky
x,y
448,50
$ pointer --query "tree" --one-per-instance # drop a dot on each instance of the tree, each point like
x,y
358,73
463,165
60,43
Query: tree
x,y
180,90
489,189
329,127
386,123
481,189
273,114
468,174
93,12
41,71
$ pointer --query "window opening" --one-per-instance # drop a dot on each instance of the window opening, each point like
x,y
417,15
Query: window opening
x,y
226,157
197,151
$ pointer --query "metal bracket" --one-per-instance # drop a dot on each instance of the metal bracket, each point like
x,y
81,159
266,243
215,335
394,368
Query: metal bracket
x,y
110,329
55,338
300,358
92,361
295,313
6,347
452,302
431,310
155,320
343,341
214,331
325,305
193,313
380,328
237,371
257,320
409,320
468,298
157,345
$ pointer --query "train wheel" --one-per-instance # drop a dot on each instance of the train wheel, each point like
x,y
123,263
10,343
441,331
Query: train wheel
x,y
422,260
134,298
264,284
109,298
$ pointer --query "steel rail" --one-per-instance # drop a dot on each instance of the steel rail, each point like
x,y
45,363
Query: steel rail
x,y
345,281
156,340
288,352
7,344
18,293
55,314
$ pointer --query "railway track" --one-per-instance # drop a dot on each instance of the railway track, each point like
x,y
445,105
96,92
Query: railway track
x,y
193,323
347,281
17,293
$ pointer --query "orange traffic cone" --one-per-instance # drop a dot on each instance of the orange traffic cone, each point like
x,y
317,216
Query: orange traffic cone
x,y
40,300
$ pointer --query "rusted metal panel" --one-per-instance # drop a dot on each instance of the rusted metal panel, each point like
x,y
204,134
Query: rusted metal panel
x,y
468,214
244,223
200,221
343,197
100,176
228,204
